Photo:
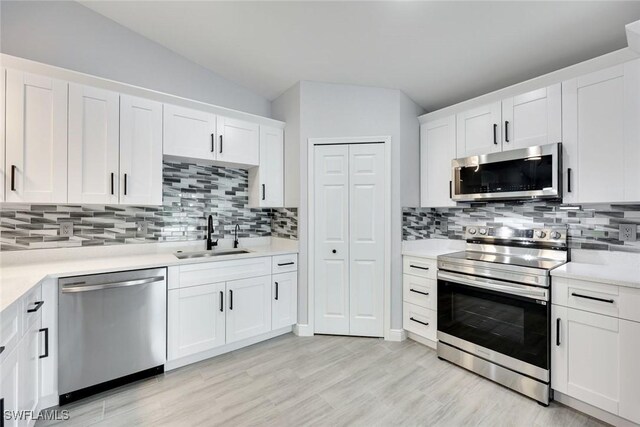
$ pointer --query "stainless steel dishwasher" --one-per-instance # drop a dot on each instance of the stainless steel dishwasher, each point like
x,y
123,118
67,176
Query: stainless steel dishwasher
x,y
112,330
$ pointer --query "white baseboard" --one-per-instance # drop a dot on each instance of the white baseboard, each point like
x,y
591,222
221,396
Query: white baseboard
x,y
396,335
187,360
302,330
422,340
598,413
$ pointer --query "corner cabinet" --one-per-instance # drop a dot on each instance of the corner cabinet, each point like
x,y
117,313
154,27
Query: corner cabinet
x,y
266,182
36,139
437,150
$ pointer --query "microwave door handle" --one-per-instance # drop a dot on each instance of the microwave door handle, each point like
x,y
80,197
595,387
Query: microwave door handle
x,y
518,290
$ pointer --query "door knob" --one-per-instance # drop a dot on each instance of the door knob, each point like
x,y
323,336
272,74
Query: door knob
x,y
334,251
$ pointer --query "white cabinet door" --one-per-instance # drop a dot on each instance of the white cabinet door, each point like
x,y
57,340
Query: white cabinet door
x,y
93,145
366,239
533,118
478,130
266,182
238,142
3,87
586,363
284,303
10,385
331,264
248,308
140,151
601,135
29,370
629,370
189,133
196,320
437,149
36,139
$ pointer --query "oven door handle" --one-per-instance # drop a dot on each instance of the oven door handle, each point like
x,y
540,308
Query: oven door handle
x,y
494,285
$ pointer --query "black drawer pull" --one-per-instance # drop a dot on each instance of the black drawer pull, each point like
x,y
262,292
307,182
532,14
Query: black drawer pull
x,y
422,323
36,308
285,263
558,332
419,292
1,349
610,301
276,291
221,302
417,266
46,343
230,299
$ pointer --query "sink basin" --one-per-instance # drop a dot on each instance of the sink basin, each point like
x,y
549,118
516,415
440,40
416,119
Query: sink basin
x,y
206,254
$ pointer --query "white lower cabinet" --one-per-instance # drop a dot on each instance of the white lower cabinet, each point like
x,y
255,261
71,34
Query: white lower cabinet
x,y
29,370
197,319
284,302
10,385
594,359
249,308
419,296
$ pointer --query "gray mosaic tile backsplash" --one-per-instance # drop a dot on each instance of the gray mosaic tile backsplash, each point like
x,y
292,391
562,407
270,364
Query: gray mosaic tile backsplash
x,y
590,227
190,193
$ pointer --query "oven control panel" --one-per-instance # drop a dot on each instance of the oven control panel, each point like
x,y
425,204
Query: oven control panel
x,y
551,235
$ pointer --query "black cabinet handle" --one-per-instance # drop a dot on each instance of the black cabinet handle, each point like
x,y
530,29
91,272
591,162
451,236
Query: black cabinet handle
x,y
220,144
450,189
495,134
1,349
46,342
263,191
506,130
285,263
221,302
558,331
610,301
37,307
419,292
213,142
569,180
230,299
13,177
422,323
125,184
112,183
334,251
276,291
417,266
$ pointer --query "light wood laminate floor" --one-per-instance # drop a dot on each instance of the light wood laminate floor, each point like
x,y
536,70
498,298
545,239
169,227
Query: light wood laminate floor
x,y
324,381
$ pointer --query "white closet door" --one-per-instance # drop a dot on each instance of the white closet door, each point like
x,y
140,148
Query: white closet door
x,y
366,239
94,125
331,193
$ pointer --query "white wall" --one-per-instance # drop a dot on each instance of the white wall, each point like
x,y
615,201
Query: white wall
x,y
336,110
287,108
69,35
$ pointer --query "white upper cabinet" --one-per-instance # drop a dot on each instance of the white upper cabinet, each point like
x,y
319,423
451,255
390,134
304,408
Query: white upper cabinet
x,y
533,118
266,182
238,141
140,151
189,133
437,149
601,123
479,130
93,145
36,139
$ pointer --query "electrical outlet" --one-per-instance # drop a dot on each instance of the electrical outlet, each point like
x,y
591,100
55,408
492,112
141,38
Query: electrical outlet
x,y
142,228
628,232
66,229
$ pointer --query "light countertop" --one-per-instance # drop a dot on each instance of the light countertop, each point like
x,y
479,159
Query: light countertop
x,y
628,276
19,272
431,248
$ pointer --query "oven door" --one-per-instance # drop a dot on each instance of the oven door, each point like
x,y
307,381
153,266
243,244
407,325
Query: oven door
x,y
503,322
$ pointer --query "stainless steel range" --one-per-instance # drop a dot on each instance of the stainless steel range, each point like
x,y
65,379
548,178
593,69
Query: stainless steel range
x,y
494,305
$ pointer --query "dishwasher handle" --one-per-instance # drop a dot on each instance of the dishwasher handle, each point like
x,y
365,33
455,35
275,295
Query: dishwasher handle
x,y
82,287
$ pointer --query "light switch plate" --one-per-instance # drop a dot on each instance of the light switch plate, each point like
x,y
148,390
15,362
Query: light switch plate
x,y
66,229
142,228
628,232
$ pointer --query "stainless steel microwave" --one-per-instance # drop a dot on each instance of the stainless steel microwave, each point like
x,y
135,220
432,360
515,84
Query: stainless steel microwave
x,y
524,174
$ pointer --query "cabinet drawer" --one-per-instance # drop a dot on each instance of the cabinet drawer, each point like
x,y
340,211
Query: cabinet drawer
x,y
10,328
419,320
31,307
588,296
420,267
419,291
222,271
284,263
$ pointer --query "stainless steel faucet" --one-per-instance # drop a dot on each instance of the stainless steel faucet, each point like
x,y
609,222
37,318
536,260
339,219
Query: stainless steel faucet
x,y
210,242
235,241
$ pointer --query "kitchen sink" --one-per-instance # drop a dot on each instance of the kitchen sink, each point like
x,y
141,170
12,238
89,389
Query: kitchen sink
x,y
206,254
